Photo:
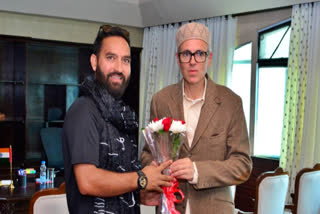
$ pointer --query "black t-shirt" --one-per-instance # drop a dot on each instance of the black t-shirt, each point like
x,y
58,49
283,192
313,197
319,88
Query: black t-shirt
x,y
80,145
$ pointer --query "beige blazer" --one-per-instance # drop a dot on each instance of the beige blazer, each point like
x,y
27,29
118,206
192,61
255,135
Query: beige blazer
x,y
220,148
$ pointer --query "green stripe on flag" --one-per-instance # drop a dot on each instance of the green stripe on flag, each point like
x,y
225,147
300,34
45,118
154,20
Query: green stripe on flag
x,y
4,160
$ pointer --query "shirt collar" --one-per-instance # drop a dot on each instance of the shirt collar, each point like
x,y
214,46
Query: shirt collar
x,y
199,99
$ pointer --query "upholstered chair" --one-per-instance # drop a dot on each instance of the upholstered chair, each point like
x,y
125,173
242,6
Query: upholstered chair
x,y
49,201
306,197
271,190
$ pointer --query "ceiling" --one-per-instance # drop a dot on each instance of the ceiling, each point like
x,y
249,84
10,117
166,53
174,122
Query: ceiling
x,y
140,13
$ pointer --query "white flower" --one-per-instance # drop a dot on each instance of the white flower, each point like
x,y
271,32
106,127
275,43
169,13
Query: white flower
x,y
156,126
177,127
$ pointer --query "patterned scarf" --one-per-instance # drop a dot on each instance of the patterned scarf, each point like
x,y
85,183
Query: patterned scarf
x,y
118,151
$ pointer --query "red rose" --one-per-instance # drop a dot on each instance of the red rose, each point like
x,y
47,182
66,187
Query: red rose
x,y
182,122
166,124
155,119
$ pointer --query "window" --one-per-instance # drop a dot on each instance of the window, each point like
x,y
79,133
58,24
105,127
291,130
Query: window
x,y
241,77
270,89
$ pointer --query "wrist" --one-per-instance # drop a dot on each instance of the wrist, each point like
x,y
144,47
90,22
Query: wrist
x,y
194,179
142,180
134,181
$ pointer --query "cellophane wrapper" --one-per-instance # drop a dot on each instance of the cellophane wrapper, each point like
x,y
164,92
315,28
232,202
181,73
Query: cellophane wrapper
x,y
164,146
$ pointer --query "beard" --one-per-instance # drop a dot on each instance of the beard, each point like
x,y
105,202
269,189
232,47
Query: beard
x,y
115,89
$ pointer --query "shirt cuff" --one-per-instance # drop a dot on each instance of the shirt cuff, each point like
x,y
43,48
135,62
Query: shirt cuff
x,y
195,175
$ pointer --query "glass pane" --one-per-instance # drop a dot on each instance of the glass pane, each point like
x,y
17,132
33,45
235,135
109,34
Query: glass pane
x,y
241,77
269,118
48,64
283,50
270,40
243,52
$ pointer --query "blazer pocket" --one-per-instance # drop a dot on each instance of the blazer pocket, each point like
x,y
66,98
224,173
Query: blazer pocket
x,y
216,138
215,135
216,132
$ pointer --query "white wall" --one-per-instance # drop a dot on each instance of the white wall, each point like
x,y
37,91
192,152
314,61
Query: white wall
x,y
122,12
58,29
250,24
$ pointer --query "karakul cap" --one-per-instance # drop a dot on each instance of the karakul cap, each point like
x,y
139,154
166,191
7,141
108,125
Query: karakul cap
x,y
193,30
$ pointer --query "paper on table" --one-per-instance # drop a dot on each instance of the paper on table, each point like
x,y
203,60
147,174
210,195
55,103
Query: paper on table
x,y
5,182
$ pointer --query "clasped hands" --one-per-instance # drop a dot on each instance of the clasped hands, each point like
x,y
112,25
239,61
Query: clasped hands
x,y
180,169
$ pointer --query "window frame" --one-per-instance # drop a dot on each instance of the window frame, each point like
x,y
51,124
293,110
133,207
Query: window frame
x,y
260,63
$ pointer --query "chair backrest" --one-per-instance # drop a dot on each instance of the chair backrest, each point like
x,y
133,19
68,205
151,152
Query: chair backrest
x,y
51,138
271,192
49,201
54,113
307,191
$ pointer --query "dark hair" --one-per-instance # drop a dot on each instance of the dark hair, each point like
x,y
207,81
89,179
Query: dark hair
x,y
107,31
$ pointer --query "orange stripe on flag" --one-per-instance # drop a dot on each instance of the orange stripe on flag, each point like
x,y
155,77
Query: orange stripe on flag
x,y
4,149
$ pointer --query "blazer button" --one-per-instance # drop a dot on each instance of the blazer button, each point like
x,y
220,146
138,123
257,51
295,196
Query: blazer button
x,y
189,155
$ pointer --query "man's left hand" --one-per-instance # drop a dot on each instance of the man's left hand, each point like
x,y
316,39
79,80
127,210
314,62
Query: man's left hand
x,y
182,169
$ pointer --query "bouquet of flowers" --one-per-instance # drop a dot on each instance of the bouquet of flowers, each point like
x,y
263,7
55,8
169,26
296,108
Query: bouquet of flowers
x,y
165,137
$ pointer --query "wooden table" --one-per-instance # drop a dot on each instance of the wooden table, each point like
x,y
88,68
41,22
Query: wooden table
x,y
16,201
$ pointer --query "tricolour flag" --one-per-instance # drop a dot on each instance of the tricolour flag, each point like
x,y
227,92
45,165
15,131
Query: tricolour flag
x,y
5,155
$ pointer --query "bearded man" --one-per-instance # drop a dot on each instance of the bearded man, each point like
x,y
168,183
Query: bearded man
x,y
102,170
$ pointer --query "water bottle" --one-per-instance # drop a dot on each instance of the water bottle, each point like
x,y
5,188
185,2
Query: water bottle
x,y
43,169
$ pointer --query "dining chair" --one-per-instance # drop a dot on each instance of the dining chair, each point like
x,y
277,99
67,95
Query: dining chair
x,y
49,201
306,197
271,190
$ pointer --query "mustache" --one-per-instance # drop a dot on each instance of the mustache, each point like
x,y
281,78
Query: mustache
x,y
117,73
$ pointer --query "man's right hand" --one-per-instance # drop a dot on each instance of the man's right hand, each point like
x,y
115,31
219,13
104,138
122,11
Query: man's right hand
x,y
155,177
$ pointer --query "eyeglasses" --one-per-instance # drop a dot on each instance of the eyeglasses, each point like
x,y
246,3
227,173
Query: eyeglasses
x,y
199,56
111,29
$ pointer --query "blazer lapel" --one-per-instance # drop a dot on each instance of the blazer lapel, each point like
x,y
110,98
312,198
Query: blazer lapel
x,y
211,104
176,103
176,107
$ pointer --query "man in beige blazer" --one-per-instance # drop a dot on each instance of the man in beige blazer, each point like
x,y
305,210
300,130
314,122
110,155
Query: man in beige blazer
x,y
216,152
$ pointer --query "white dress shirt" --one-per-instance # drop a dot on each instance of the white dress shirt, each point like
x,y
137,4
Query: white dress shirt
x,y
192,109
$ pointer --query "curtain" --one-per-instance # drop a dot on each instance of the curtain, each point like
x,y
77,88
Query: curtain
x,y
310,151
159,67
224,40
300,139
223,37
